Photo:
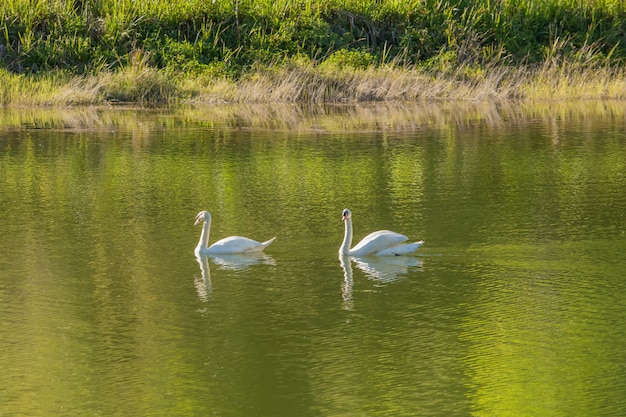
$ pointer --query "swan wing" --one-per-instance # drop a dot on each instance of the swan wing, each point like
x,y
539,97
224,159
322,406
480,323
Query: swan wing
x,y
237,244
376,242
401,249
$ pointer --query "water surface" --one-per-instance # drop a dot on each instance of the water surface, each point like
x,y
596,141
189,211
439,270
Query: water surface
x,y
514,306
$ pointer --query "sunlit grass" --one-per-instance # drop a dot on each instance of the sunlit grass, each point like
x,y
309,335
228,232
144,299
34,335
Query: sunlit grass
x,y
32,90
290,84
165,52
321,117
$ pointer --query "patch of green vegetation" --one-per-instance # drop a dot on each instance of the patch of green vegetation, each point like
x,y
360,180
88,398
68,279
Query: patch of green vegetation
x,y
228,40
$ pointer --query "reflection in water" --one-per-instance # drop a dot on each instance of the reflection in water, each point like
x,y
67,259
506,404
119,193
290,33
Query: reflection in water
x,y
230,262
385,269
407,117
203,285
535,330
348,282
240,261
522,314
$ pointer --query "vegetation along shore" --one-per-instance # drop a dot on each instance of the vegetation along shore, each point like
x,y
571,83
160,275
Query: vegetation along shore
x,y
165,52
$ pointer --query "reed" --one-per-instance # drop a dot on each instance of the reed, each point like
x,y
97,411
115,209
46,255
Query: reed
x,y
150,87
498,83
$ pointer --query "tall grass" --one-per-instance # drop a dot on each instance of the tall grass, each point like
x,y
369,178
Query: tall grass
x,y
148,86
498,83
168,51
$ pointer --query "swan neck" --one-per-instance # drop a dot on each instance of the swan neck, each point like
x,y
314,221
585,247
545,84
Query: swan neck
x,y
347,238
204,236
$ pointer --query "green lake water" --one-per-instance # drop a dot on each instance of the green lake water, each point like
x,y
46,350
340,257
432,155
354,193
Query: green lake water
x,y
514,306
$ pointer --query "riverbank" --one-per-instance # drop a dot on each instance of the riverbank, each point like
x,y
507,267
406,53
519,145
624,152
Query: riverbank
x,y
385,118
152,87
181,52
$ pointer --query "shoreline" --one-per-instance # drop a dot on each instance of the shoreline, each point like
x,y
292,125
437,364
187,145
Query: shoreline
x,y
149,87
389,118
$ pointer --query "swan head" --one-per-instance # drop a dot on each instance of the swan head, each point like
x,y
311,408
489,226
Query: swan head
x,y
346,215
202,216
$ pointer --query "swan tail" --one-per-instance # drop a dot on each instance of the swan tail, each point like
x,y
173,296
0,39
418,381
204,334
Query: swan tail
x,y
267,243
412,247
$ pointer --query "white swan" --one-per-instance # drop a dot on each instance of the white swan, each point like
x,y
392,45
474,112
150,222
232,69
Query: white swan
x,y
232,244
380,243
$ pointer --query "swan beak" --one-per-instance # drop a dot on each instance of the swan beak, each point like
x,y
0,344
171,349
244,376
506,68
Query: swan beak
x,y
344,218
198,220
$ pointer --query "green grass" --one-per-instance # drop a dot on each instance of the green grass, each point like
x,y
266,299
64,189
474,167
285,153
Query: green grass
x,y
60,52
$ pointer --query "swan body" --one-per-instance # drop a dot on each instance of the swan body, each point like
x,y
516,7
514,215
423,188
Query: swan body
x,y
380,243
228,245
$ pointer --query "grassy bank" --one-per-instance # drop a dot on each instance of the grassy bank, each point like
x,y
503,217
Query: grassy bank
x,y
387,118
64,52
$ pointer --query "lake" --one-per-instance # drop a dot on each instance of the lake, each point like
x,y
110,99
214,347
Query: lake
x,y
514,306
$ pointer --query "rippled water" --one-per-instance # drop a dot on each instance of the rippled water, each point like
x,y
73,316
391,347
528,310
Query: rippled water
x,y
514,306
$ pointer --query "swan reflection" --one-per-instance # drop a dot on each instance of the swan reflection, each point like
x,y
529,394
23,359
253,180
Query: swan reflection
x,y
240,261
203,284
231,262
348,282
387,269
381,269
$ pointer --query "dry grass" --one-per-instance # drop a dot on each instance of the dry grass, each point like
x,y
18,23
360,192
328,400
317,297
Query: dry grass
x,y
289,118
562,83
308,84
500,83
